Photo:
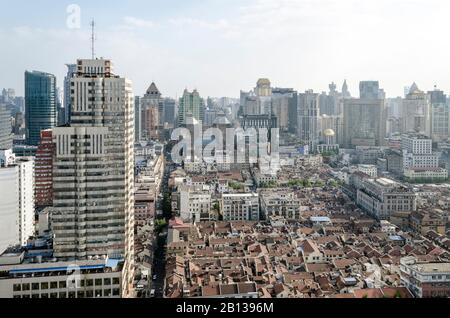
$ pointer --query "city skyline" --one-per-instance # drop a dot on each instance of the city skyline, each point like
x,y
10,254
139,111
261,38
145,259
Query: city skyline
x,y
229,149
297,44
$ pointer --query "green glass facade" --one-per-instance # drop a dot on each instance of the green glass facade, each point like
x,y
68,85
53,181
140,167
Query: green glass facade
x,y
40,104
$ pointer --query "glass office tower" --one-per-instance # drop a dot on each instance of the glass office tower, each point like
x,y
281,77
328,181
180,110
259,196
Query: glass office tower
x,y
40,104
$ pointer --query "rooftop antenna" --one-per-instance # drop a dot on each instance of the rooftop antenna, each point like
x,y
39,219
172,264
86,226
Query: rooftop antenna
x,y
93,38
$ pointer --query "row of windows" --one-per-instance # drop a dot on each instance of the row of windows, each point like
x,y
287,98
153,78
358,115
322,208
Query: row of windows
x,y
63,284
80,294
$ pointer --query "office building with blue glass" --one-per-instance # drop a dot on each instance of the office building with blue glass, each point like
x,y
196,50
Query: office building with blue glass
x,y
40,104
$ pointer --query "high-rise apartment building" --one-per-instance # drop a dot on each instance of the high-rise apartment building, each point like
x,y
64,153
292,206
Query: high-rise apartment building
x,y
93,176
308,118
17,188
190,104
44,170
6,137
40,104
9,208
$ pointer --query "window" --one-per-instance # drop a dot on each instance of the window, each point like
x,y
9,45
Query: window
x,y
35,286
72,294
54,295
25,287
107,293
63,295
116,292
98,282
17,287
44,286
89,294
89,282
107,281
98,293
62,284
116,281
53,285
80,294
35,296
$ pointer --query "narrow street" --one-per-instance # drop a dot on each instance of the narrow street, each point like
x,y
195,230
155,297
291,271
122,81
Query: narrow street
x,y
159,254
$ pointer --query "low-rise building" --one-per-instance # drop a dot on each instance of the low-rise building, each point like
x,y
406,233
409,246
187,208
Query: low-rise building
x,y
195,204
280,203
423,222
240,207
425,279
426,174
381,197
20,278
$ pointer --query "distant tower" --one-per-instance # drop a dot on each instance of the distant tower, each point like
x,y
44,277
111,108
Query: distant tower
x,y
150,105
93,39
345,92
263,87
332,88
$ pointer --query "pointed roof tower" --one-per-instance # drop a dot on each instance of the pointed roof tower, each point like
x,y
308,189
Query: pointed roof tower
x,y
345,92
414,89
153,91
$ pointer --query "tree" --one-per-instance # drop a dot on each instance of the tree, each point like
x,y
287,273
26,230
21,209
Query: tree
x,y
167,206
160,225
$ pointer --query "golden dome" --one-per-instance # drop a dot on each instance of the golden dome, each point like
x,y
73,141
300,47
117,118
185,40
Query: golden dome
x,y
263,81
329,133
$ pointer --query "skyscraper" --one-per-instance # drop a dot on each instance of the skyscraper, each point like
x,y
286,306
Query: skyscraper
x,y
169,112
345,91
415,112
40,104
329,104
190,104
282,100
6,138
439,117
364,121
369,90
150,107
308,118
93,181
71,71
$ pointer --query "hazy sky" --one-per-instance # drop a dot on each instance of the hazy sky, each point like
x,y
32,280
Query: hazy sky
x,y
222,46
